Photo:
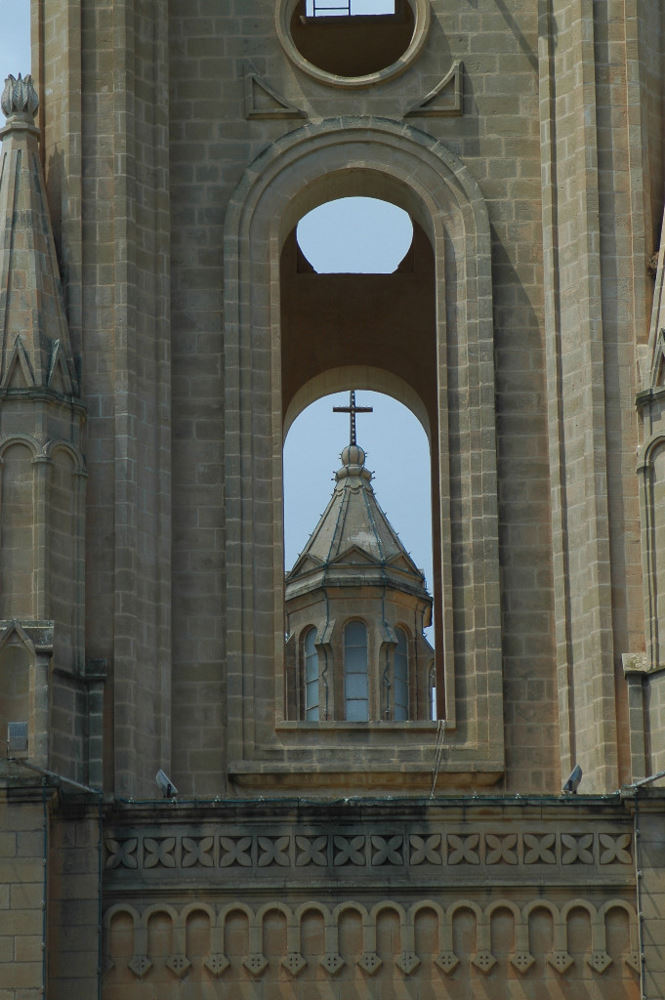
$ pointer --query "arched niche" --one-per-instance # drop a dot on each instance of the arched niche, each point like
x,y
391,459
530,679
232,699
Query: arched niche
x,y
652,470
303,169
15,685
25,652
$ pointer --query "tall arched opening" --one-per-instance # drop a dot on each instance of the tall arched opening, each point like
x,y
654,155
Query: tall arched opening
x,y
439,314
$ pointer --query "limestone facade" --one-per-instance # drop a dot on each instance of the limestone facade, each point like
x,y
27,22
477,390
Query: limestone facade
x,y
161,330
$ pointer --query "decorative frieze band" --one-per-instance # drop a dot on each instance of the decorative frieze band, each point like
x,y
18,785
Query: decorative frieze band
x,y
356,851
136,954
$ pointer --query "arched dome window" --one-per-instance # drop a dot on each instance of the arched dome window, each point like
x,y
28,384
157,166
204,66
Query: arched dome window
x,y
311,677
400,684
356,682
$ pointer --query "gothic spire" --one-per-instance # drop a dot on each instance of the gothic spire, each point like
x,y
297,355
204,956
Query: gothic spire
x,y
354,541
35,351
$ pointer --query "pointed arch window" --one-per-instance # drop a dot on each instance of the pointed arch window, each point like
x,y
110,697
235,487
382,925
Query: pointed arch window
x,y
356,682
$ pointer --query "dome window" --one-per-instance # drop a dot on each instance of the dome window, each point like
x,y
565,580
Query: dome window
x,y
356,686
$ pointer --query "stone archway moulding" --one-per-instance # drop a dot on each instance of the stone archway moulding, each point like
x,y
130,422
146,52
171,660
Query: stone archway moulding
x,y
339,379
302,169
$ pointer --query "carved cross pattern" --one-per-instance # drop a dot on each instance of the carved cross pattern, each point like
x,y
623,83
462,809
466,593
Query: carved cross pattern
x,y
311,851
159,852
577,849
539,847
425,849
122,853
387,850
350,850
236,851
615,849
463,849
375,849
197,852
501,849
274,851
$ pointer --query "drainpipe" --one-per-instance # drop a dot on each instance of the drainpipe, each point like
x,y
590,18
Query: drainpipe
x,y
635,788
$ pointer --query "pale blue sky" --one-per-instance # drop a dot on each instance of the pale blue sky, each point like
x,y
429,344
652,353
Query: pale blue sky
x,y
14,37
395,443
357,6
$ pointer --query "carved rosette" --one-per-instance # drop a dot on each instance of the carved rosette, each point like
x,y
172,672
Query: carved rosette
x,y
19,98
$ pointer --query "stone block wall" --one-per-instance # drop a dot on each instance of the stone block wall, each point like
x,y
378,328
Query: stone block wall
x,y
380,900
211,89
75,904
23,890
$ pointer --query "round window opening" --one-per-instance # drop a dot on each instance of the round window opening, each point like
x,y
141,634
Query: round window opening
x,y
352,43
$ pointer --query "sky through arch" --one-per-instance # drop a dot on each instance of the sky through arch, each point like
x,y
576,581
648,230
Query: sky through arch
x,y
355,235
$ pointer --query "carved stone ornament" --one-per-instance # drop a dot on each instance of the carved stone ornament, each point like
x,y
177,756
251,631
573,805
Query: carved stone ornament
x,y
484,961
332,962
216,964
275,963
139,964
560,960
178,964
370,962
294,963
599,960
255,963
448,961
522,960
408,961
353,855
19,98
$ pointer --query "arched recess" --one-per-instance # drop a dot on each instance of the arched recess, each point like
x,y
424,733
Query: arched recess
x,y
301,170
66,568
19,575
652,472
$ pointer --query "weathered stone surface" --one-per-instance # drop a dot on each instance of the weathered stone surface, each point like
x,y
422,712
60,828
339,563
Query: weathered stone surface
x,y
141,499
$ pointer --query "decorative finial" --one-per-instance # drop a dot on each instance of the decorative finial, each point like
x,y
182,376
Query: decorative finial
x,y
352,409
19,98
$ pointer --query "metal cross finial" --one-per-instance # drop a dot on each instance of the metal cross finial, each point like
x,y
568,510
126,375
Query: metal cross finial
x,y
352,409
